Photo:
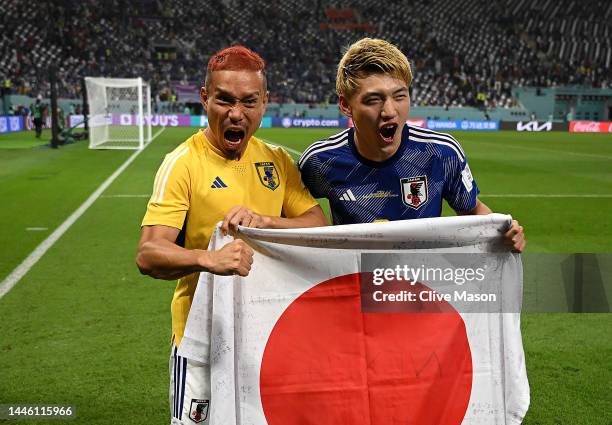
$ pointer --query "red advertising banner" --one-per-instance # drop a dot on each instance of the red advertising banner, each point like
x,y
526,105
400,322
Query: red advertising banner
x,y
591,127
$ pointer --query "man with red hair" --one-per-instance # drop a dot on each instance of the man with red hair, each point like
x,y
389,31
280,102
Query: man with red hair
x,y
220,173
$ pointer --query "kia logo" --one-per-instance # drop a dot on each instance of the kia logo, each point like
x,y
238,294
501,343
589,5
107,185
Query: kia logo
x,y
534,126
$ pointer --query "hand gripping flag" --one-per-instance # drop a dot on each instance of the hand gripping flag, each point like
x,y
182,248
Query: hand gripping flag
x,y
309,337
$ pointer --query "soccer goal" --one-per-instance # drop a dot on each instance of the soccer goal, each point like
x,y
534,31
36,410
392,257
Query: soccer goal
x,y
119,113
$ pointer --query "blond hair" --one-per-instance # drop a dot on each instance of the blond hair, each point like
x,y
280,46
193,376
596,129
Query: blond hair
x,y
370,56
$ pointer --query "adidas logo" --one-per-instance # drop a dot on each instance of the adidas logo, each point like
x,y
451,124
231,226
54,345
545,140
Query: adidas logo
x,y
218,183
347,196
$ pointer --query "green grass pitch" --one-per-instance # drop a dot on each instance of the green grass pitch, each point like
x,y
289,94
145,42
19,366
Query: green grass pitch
x,y
83,327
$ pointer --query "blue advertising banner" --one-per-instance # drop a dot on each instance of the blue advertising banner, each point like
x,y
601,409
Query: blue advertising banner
x,y
266,122
9,124
289,122
462,125
199,121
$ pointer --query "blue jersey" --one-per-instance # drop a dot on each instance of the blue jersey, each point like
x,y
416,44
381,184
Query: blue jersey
x,y
427,167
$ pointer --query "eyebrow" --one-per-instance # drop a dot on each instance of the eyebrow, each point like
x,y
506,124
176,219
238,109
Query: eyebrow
x,y
221,92
377,93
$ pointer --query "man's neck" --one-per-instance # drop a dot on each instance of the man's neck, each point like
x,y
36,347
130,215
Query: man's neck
x,y
376,153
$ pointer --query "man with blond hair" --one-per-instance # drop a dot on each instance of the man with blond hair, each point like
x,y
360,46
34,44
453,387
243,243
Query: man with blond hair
x,y
384,169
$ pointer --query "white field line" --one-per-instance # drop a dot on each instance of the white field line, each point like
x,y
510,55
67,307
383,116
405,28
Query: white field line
x,y
11,280
157,133
142,195
534,149
293,151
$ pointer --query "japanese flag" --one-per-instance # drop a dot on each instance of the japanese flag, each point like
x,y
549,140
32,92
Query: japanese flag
x,y
292,344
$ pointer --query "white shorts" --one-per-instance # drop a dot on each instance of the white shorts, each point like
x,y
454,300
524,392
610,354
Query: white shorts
x,y
189,396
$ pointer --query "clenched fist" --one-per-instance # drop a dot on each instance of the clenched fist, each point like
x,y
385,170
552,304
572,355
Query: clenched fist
x,y
234,258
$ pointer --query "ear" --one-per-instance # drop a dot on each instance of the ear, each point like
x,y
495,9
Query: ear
x,y
204,98
345,106
266,98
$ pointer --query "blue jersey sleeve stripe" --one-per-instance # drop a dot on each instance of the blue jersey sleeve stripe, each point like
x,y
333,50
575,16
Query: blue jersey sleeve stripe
x,y
327,141
330,139
438,142
437,136
338,135
321,148
315,145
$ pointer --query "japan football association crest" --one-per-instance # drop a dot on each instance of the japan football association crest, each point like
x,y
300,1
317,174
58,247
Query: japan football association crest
x,y
414,191
268,176
198,411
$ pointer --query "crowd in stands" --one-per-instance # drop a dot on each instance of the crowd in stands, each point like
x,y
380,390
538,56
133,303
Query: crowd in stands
x,y
464,52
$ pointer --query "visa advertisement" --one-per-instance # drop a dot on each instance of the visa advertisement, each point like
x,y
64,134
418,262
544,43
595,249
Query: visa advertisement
x,y
462,125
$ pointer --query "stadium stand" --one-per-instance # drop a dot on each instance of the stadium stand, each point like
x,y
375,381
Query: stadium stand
x,y
465,52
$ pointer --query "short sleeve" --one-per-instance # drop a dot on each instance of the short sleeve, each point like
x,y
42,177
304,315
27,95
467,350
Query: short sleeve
x,y
297,199
460,189
169,201
310,176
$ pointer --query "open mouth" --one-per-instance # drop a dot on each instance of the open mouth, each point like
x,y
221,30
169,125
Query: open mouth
x,y
233,137
387,132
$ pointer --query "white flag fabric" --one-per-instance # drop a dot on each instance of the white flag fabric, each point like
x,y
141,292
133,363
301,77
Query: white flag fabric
x,y
292,344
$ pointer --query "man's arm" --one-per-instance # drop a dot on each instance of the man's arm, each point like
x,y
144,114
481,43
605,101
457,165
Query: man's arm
x,y
243,216
479,209
514,237
159,256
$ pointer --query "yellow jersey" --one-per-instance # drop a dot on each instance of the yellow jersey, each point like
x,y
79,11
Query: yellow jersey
x,y
196,186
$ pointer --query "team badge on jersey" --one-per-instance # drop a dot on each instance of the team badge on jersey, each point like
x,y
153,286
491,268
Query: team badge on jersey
x,y
198,411
268,176
414,191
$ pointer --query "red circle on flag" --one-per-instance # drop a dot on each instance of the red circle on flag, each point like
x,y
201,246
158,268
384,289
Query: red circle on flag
x,y
327,362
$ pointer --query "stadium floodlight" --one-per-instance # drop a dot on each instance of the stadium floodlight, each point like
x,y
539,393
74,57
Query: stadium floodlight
x,y
119,113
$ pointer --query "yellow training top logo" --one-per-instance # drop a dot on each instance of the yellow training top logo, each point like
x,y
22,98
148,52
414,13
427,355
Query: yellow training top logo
x,y
268,176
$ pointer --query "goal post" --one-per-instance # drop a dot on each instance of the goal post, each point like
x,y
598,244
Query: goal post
x,y
119,113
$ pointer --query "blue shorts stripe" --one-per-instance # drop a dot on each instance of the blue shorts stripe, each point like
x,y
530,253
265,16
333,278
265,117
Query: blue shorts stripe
x,y
183,387
175,395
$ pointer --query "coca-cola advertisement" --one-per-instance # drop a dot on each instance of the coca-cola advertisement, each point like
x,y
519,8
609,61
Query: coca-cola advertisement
x,y
591,127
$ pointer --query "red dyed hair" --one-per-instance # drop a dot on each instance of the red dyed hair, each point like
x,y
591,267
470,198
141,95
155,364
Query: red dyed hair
x,y
236,58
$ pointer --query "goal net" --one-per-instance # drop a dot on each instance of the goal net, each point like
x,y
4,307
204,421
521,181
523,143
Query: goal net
x,y
119,113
